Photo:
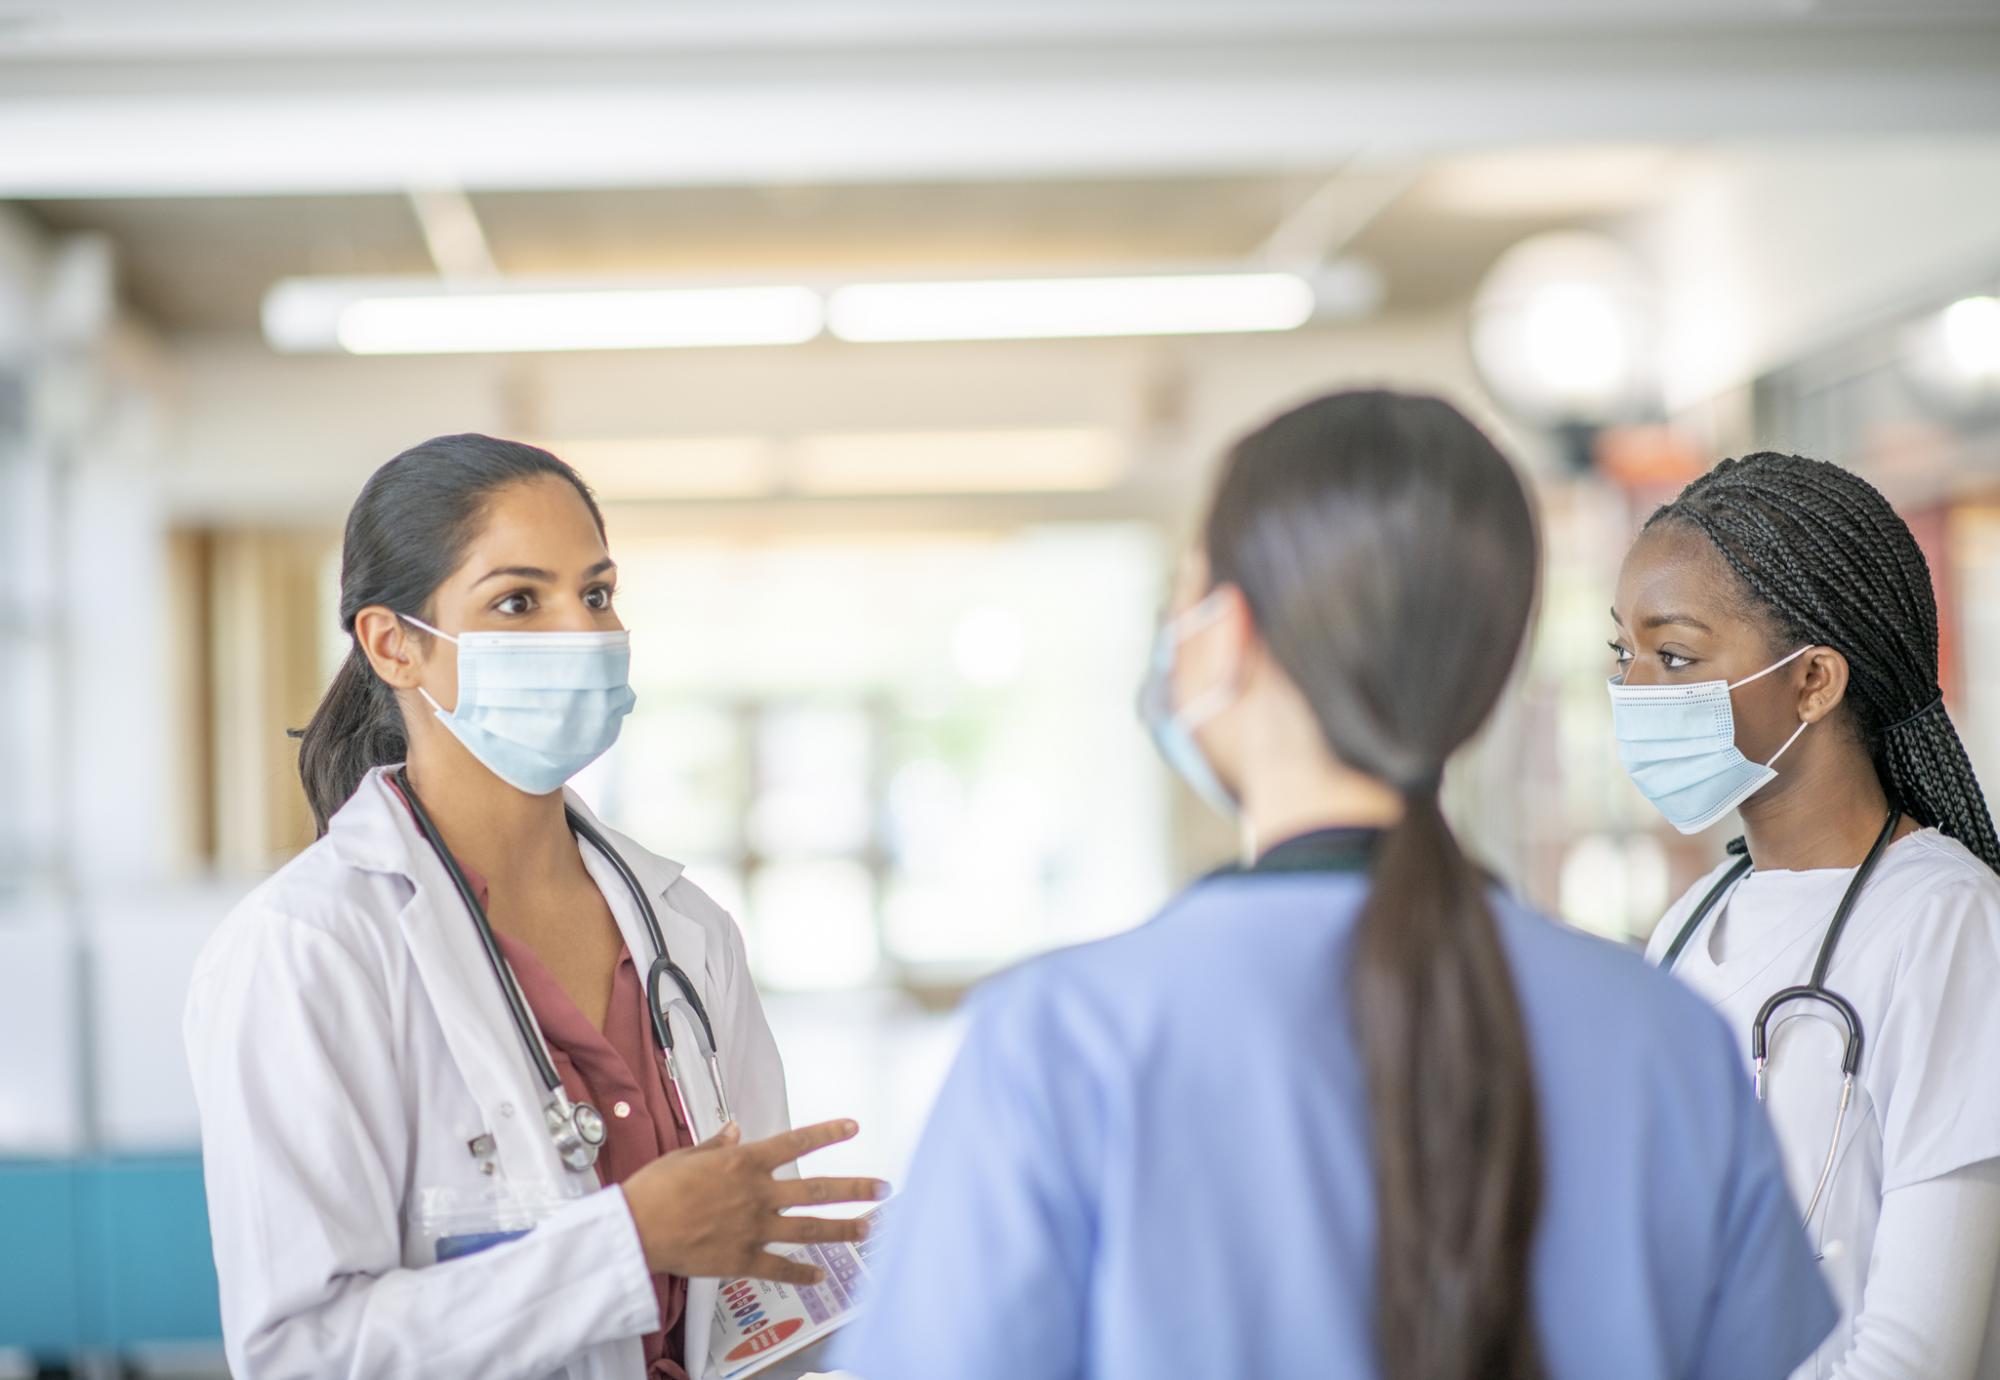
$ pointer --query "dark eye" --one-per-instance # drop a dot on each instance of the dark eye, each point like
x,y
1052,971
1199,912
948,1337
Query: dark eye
x,y
598,597
1674,661
1619,654
515,604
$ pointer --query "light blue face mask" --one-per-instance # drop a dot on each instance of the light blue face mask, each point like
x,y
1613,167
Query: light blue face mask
x,y
536,708
1173,729
1678,743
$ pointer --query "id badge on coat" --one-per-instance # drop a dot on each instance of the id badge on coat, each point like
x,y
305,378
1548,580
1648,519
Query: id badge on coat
x,y
456,1222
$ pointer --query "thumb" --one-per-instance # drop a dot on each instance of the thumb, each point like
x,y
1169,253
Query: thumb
x,y
723,1139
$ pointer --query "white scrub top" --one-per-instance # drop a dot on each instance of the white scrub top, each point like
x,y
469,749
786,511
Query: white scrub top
x,y
1920,961
1153,1158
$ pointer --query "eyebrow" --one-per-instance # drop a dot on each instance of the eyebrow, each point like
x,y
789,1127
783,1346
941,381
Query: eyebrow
x,y
535,572
1661,620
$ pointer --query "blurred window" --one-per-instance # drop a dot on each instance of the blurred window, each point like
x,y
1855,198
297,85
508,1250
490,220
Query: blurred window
x,y
912,759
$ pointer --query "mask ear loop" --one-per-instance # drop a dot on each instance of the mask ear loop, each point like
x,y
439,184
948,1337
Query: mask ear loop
x,y
1212,701
1774,666
1803,723
435,632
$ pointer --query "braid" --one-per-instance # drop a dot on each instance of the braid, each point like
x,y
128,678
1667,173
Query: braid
x,y
1827,556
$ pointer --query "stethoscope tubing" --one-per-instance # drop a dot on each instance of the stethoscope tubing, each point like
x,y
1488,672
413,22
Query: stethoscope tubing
x,y
662,966
1814,989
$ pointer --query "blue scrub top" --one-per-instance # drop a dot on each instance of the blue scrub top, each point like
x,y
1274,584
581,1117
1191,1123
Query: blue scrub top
x,y
1152,1158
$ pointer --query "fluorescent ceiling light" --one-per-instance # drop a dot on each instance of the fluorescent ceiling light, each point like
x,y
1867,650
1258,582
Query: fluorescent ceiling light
x,y
423,316
958,462
1062,308
390,318
850,464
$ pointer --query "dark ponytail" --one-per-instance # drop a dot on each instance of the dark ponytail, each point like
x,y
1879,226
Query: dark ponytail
x,y
407,532
1389,557
1827,558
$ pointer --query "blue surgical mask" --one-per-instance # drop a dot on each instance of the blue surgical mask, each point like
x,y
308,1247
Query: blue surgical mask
x,y
1678,743
536,708
1173,729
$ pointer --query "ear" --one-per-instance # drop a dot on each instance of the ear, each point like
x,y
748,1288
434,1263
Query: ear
x,y
1235,630
389,647
1822,683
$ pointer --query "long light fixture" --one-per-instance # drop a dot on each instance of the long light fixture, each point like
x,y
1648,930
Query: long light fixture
x,y
1070,308
425,316
379,319
850,464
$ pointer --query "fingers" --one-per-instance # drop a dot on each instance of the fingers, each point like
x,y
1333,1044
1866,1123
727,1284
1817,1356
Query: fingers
x,y
727,1136
769,1266
781,1150
810,1192
803,1230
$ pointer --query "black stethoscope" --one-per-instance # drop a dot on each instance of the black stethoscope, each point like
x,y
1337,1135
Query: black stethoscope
x,y
577,1128
1814,989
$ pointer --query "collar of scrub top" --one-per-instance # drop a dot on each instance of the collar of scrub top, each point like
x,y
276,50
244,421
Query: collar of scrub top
x,y
1321,850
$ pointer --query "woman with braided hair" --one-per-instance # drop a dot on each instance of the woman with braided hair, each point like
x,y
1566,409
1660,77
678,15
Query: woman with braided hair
x,y
1777,655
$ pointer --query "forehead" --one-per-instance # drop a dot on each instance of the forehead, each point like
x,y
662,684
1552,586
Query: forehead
x,y
1674,569
544,514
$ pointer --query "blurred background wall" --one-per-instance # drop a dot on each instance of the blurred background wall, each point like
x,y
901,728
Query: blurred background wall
x,y
892,561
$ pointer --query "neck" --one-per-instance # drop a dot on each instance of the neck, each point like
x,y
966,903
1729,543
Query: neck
x,y
505,835
1827,815
1299,798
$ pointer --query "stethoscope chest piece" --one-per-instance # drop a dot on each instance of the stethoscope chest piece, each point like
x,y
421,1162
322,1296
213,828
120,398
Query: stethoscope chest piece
x,y
577,1128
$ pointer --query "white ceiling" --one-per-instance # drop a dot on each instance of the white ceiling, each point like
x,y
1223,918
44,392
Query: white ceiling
x,y
115,100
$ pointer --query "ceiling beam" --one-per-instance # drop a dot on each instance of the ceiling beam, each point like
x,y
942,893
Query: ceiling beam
x,y
341,125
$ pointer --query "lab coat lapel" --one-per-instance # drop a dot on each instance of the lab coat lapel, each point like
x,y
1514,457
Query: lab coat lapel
x,y
687,945
457,976
685,939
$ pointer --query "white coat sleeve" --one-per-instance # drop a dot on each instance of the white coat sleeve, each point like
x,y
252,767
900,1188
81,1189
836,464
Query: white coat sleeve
x,y
1930,1280
306,1145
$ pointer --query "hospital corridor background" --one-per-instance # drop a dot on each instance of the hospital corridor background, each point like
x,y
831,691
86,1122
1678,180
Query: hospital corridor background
x,y
900,343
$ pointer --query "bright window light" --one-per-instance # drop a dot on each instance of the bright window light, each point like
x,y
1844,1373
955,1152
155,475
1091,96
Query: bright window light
x,y
1972,337
626,468
1056,308
644,319
959,462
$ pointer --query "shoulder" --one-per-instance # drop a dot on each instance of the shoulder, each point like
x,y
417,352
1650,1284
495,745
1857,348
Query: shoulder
x,y
1932,867
314,901
1605,987
1945,916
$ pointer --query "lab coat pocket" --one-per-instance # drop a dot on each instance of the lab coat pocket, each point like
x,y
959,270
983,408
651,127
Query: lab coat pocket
x,y
452,1222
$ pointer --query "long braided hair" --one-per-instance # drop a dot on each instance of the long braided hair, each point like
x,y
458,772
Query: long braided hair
x,y
1823,552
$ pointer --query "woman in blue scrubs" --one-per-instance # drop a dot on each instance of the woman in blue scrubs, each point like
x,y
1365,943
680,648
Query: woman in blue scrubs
x,y
1347,1110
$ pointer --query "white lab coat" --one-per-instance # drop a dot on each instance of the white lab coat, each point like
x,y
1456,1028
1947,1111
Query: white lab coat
x,y
348,1043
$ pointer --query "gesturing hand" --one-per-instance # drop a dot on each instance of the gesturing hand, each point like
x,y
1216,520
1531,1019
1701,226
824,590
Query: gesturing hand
x,y
710,1210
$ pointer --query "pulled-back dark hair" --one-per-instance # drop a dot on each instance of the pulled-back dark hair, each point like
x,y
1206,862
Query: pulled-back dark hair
x,y
1389,558
407,532
1822,553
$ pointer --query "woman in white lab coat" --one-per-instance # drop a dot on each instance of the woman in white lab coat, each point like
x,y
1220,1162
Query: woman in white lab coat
x,y
1777,648
395,1186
